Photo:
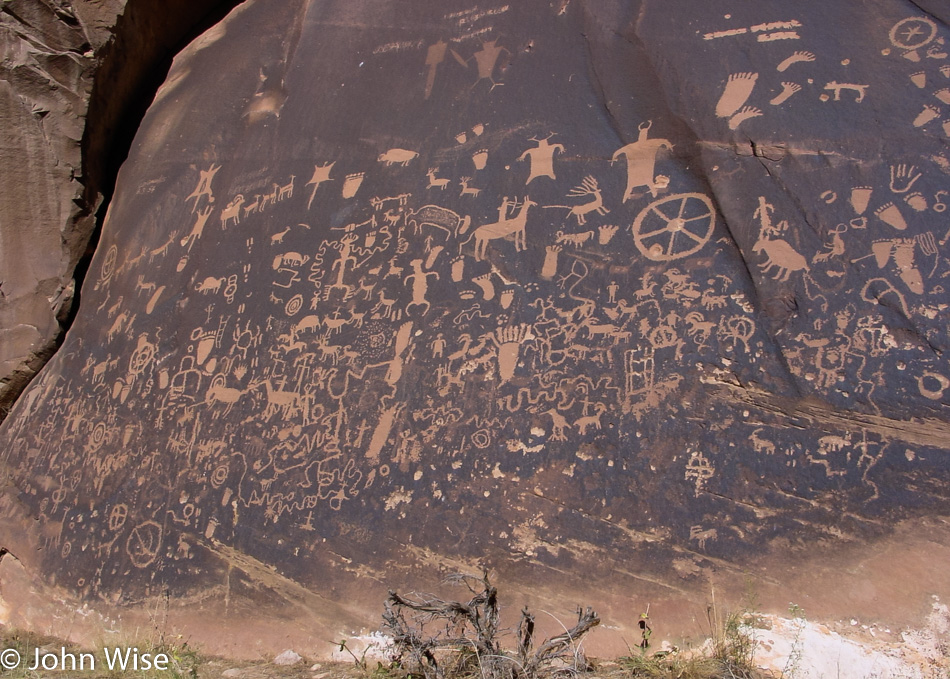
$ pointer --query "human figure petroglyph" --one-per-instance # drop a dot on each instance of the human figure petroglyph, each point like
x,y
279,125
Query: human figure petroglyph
x,y
419,280
699,469
541,158
612,289
836,249
347,257
735,329
641,162
204,186
485,60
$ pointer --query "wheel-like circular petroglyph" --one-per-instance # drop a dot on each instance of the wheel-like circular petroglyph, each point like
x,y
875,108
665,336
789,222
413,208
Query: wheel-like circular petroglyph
x,y
929,378
98,436
294,305
912,32
117,517
108,264
143,543
674,227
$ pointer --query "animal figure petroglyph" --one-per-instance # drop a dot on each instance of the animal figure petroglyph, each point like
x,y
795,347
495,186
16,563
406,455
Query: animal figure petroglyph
x,y
436,182
833,443
287,190
506,227
210,284
583,423
837,87
575,239
379,203
251,208
232,211
219,393
710,301
401,156
439,218
466,189
778,253
761,445
278,400
588,187
697,533
699,328
560,424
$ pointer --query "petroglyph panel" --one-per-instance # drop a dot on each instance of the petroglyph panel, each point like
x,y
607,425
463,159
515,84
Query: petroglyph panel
x,y
411,272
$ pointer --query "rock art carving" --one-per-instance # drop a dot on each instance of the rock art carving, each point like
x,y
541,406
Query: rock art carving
x,y
674,227
641,161
588,187
541,158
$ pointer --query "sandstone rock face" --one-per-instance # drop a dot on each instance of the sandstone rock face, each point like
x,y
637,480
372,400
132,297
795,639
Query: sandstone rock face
x,y
47,66
55,166
570,290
